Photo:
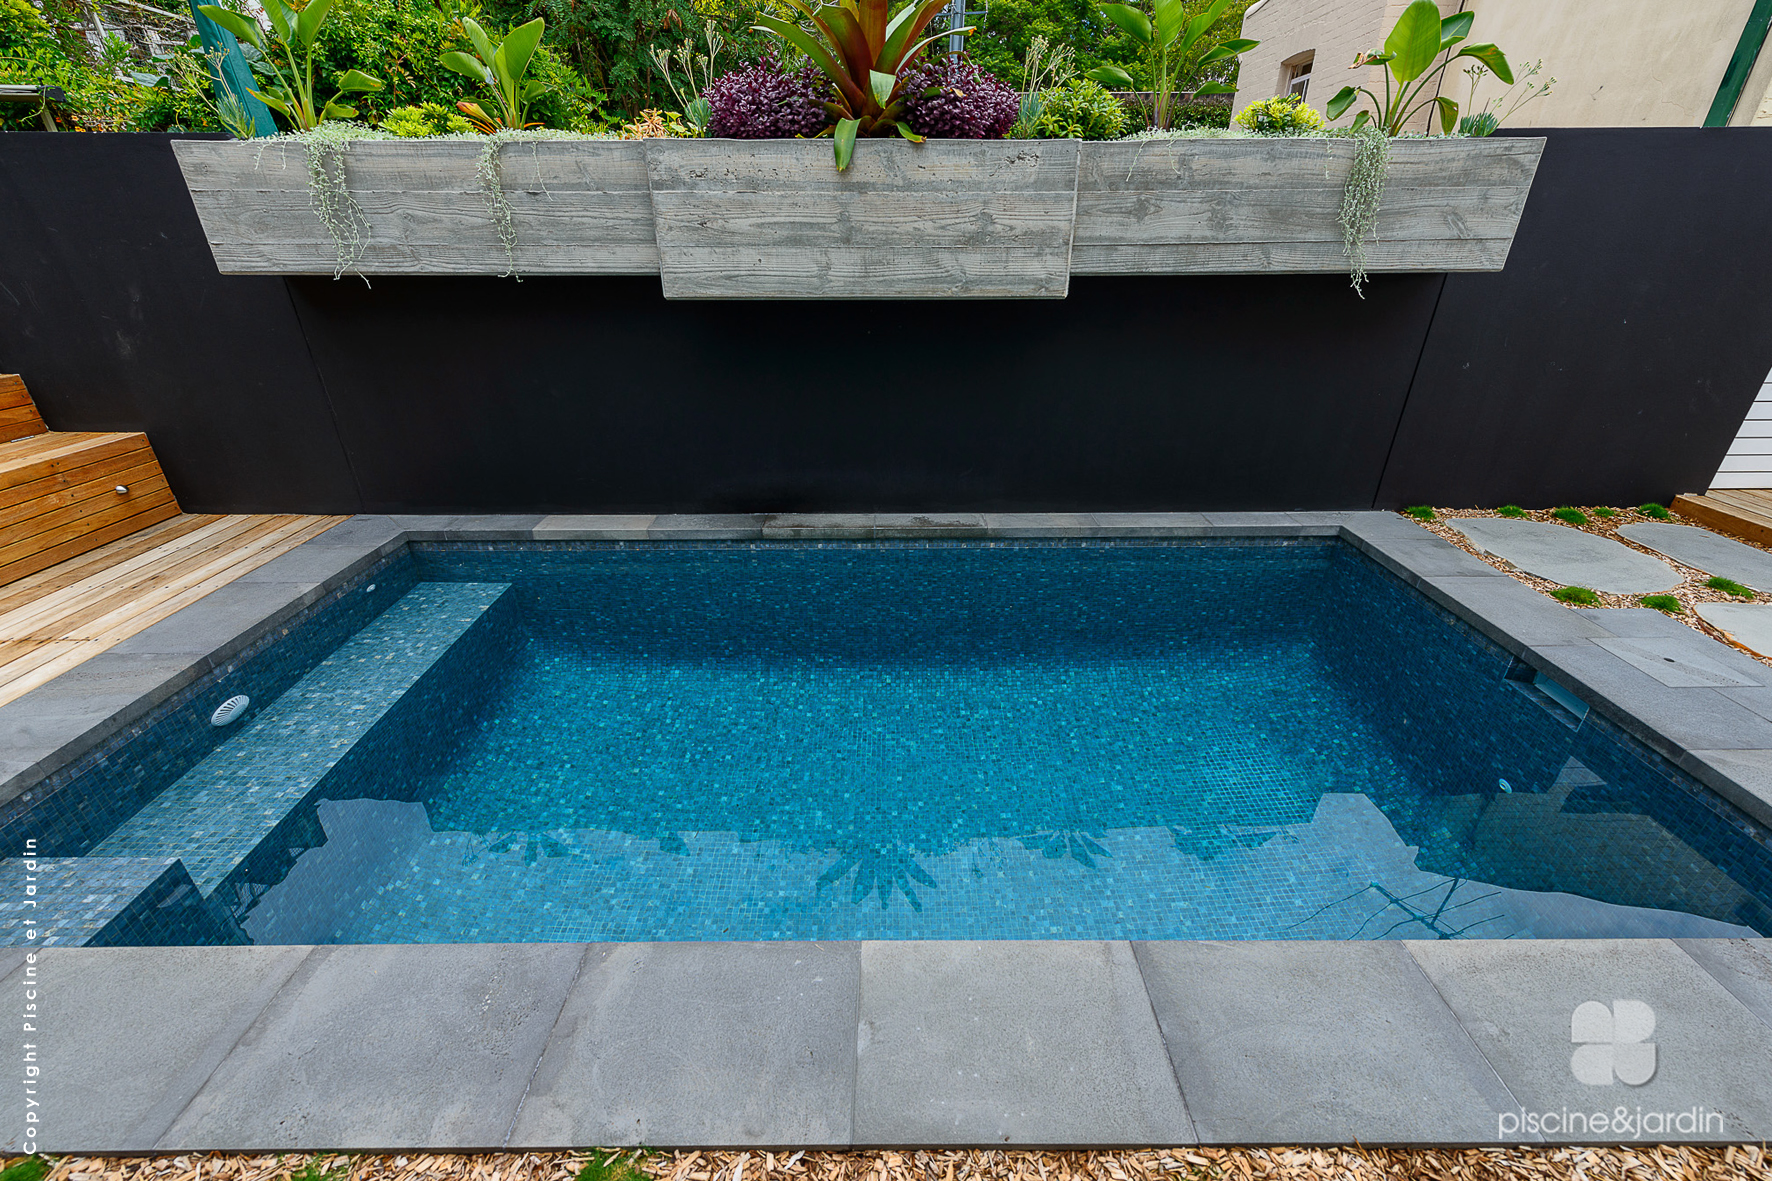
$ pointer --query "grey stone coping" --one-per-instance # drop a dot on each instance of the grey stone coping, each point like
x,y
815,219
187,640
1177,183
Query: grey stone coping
x,y
884,1044
804,1045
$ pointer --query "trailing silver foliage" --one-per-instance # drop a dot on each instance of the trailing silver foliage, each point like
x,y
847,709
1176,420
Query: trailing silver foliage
x,y
1360,198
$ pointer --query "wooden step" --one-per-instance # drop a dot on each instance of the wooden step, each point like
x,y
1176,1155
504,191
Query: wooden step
x,y
1741,512
59,498
18,414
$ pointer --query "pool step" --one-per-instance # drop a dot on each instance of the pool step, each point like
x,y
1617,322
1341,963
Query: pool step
x,y
107,902
220,811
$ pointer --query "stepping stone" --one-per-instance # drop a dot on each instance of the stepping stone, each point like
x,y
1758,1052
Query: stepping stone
x,y
1569,556
1706,551
221,809
1748,624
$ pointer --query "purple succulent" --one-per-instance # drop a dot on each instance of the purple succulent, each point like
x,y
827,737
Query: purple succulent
x,y
967,103
761,102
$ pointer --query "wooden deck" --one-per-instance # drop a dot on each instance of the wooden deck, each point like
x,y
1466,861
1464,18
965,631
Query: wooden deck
x,y
1741,512
60,617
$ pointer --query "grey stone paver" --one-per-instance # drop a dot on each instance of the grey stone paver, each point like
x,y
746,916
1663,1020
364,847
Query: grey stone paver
x,y
1704,550
566,527
1033,1043
1748,624
789,526
1684,662
706,527
385,1047
1511,613
1150,524
931,525
1517,1001
1569,556
701,1043
1037,525
1743,966
1317,1042
133,1032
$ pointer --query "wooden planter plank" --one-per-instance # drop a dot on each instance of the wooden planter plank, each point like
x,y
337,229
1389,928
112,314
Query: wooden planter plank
x,y
578,207
951,220
1227,206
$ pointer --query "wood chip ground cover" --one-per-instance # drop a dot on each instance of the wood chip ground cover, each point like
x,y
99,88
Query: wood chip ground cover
x,y
1690,592
1637,1163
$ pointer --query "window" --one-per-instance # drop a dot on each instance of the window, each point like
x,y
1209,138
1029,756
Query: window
x,y
1295,75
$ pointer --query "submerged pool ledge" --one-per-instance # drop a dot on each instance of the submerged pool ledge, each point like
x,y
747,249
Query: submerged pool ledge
x,y
1058,1044
885,1044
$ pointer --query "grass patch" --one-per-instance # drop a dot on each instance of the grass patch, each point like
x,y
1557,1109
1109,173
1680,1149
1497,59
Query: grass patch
x,y
313,1172
1570,514
620,1166
1663,603
1730,587
1654,512
1421,512
1605,512
1579,595
1510,510
32,1168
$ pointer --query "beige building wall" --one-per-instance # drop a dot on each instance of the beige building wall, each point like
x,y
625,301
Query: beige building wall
x,y
1642,63
1618,63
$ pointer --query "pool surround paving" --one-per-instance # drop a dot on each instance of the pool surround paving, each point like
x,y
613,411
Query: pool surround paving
x,y
1051,1044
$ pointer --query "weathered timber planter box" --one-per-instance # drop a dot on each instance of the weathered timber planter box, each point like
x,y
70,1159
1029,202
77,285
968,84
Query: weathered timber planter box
x,y
1214,207
748,219
579,207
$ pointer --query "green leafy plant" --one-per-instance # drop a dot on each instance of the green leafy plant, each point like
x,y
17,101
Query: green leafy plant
x,y
1080,109
1570,515
863,50
1045,67
1496,110
1283,114
1665,603
1605,512
1729,587
1410,77
31,1168
1581,596
698,75
1421,512
1169,41
501,67
1510,510
425,119
1654,512
291,92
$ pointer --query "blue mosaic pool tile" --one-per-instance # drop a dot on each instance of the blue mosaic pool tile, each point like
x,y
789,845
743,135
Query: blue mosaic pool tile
x,y
220,810
106,902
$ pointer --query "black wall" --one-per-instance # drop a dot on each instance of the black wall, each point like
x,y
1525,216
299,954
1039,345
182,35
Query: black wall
x,y
1611,362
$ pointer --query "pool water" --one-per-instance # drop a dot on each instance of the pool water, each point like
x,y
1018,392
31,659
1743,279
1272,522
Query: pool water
x,y
928,740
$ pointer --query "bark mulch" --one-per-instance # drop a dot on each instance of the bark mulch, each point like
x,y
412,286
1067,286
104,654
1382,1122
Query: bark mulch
x,y
1644,1163
1690,592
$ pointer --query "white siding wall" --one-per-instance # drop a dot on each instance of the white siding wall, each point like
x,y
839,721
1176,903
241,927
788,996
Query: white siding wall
x,y
1749,462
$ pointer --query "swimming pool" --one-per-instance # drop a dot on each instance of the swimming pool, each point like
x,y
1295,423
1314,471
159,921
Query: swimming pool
x,y
797,741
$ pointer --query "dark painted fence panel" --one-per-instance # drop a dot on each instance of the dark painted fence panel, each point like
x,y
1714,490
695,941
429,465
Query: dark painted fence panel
x,y
111,308
481,394
1614,359
1611,362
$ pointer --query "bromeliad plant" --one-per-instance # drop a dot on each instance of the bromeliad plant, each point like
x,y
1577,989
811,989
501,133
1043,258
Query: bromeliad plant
x,y
1170,47
292,35
1419,37
501,67
863,50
